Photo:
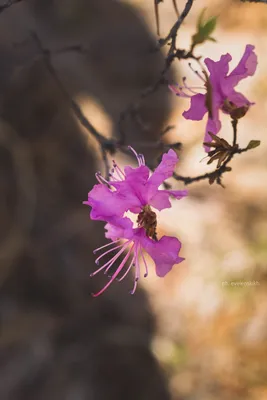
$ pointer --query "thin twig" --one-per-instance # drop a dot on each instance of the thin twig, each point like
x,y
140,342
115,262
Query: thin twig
x,y
176,8
156,7
133,108
174,30
234,125
106,145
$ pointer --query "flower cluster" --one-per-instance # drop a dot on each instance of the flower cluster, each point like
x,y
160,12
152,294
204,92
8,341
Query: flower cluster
x,y
220,94
135,190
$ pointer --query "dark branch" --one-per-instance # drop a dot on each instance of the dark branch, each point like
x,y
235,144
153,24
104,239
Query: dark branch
x,y
133,108
107,145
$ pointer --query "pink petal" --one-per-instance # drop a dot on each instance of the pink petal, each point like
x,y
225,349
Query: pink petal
x,y
197,108
119,228
165,252
132,189
218,69
163,171
105,203
161,199
132,174
238,99
246,66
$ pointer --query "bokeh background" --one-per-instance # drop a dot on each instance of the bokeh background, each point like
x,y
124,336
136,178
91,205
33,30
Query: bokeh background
x,y
199,333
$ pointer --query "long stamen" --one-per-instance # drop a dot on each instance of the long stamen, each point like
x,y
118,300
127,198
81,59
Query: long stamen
x,y
134,288
120,252
106,245
108,251
109,263
142,159
137,274
197,73
119,171
98,178
113,177
136,155
179,92
115,274
128,270
103,180
192,87
144,261
137,266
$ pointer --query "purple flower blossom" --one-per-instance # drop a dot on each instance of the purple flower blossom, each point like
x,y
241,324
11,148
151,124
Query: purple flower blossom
x,y
136,191
220,92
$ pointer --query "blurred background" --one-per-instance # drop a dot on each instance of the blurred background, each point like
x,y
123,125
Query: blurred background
x,y
201,332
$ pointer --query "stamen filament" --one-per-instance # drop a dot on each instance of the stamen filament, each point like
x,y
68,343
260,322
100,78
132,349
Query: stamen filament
x,y
106,245
142,159
128,269
99,176
110,250
119,171
115,274
144,261
108,263
137,266
136,155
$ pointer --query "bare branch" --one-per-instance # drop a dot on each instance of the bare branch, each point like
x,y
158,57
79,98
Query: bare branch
x,y
107,145
174,30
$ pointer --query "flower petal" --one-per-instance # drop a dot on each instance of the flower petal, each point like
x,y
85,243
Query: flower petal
x,y
197,108
239,99
161,199
132,189
164,170
246,66
165,252
105,203
218,69
119,228
218,72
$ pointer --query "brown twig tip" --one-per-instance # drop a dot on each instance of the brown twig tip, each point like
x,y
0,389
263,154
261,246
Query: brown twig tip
x,y
222,149
223,152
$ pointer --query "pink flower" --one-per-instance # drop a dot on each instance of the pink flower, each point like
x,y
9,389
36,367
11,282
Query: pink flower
x,y
221,94
135,190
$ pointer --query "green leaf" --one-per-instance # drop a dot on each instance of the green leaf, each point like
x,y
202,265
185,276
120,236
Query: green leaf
x,y
209,26
253,144
204,29
200,18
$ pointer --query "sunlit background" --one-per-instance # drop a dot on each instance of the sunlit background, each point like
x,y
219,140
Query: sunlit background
x,y
212,309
